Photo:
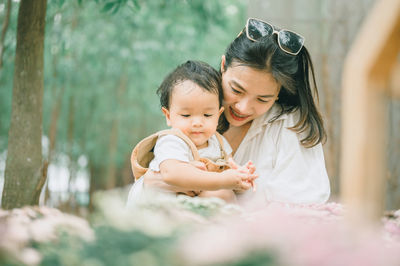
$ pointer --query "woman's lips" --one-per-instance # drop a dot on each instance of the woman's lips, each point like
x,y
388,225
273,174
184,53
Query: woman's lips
x,y
237,116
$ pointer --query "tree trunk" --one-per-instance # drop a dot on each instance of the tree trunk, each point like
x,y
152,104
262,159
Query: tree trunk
x,y
23,173
111,175
95,183
72,165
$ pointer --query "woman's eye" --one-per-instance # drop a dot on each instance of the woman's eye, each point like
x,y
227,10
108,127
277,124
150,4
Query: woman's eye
x,y
236,91
185,115
207,115
263,101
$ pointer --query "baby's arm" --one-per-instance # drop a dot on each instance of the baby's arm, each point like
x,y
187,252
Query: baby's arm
x,y
154,180
187,176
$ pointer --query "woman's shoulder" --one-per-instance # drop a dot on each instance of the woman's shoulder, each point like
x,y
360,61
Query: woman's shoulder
x,y
292,118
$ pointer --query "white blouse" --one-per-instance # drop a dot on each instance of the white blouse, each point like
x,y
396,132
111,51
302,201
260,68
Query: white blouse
x,y
288,172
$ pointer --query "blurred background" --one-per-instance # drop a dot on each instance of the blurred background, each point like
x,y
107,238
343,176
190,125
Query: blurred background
x,y
104,60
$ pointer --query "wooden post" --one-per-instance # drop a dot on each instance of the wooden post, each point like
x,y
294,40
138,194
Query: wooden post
x,y
395,81
368,80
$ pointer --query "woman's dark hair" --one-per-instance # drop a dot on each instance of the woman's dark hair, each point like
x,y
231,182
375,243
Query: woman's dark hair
x,y
292,72
200,73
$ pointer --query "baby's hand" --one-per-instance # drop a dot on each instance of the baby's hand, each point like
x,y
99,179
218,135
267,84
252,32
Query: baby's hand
x,y
237,180
248,168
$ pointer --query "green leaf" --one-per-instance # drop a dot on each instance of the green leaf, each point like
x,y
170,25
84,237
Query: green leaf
x,y
108,6
60,3
116,8
136,4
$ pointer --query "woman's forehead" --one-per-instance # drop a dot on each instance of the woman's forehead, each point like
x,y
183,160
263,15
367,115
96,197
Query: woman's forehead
x,y
254,81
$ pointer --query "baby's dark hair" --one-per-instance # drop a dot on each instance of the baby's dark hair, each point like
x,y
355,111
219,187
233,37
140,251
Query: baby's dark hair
x,y
200,73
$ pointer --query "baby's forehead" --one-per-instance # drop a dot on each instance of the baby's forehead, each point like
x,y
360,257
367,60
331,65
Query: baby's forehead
x,y
191,90
188,94
190,87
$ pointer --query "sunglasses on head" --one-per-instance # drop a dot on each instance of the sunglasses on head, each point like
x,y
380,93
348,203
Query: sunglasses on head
x,y
289,41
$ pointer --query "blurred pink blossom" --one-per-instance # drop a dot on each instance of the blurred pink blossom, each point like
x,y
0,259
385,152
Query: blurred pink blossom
x,y
296,234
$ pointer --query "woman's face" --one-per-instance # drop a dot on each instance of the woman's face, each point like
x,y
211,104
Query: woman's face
x,y
248,93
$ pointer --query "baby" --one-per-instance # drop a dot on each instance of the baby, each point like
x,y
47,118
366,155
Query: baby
x,y
191,100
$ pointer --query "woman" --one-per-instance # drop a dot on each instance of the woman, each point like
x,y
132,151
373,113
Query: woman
x,y
271,115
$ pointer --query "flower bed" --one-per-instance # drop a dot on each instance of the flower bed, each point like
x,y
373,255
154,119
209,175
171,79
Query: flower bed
x,y
192,231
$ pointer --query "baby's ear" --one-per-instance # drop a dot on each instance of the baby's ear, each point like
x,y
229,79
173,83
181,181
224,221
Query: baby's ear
x,y
167,115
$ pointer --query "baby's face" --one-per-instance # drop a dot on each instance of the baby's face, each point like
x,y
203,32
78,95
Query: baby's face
x,y
194,111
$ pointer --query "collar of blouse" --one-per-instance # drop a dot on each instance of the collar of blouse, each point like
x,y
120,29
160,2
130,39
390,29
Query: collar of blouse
x,y
261,121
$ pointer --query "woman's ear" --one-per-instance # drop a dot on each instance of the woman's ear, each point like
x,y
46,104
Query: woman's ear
x,y
167,115
279,90
221,110
223,63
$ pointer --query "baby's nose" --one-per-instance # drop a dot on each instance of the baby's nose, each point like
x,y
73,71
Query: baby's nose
x,y
197,121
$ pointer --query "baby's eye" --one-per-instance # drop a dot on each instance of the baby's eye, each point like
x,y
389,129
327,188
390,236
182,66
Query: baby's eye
x,y
208,115
185,115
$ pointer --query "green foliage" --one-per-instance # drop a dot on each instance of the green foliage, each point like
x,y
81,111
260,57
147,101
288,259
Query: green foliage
x,y
207,208
254,258
112,247
6,74
105,59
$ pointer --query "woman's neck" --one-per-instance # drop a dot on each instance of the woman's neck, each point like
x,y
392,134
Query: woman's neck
x,y
235,135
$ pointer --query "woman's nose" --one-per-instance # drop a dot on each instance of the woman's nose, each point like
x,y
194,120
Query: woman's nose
x,y
243,106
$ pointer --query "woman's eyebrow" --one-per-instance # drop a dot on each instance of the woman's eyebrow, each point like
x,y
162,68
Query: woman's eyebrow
x,y
267,96
237,85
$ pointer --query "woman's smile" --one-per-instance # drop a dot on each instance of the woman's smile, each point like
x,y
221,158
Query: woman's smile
x,y
236,115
